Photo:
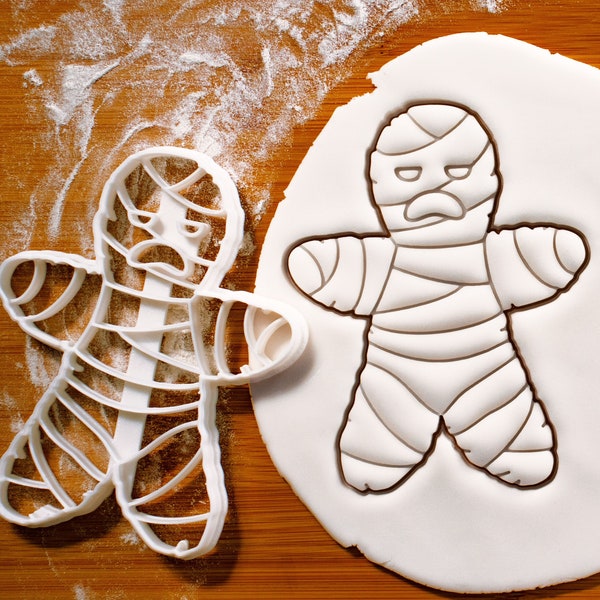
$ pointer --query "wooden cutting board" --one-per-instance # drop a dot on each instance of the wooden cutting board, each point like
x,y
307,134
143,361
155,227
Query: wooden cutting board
x,y
272,547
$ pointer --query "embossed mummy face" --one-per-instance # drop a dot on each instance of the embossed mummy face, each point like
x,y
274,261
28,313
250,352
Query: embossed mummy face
x,y
432,164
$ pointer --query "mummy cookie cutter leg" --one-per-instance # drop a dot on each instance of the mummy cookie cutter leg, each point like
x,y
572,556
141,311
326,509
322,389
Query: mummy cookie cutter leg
x,y
437,288
153,356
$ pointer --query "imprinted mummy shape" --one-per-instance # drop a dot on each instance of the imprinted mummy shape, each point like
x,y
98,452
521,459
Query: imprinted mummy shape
x,y
437,287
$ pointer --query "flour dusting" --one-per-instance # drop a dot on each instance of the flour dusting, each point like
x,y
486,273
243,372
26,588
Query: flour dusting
x,y
75,90
41,371
230,80
32,43
32,77
131,539
12,407
492,6
80,592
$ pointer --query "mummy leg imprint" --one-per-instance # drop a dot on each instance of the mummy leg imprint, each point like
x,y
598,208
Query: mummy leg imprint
x,y
387,433
435,183
501,427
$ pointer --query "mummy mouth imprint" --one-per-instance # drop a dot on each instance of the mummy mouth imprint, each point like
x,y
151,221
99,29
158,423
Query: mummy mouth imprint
x,y
434,204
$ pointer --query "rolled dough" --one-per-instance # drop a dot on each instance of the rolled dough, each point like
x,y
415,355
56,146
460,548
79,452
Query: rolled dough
x,y
451,524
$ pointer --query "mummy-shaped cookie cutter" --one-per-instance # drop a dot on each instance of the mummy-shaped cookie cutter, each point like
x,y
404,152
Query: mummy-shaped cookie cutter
x,y
134,404
437,286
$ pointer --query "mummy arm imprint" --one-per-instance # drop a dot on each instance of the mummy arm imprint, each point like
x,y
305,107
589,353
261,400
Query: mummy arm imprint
x,y
346,273
530,265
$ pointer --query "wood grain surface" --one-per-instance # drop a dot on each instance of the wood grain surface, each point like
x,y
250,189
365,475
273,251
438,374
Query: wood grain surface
x,y
271,547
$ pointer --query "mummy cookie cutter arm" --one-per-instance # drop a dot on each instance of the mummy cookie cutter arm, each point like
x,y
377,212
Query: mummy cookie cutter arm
x,y
436,289
202,242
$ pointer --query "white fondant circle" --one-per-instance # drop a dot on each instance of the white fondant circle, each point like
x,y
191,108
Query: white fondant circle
x,y
449,525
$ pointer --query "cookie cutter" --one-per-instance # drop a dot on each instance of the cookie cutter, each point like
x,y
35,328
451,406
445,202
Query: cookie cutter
x,y
168,230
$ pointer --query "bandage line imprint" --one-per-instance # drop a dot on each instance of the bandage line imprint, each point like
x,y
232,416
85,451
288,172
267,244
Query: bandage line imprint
x,y
133,406
437,288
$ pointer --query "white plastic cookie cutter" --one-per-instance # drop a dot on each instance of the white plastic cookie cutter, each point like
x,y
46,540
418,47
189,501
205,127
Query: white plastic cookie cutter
x,y
134,403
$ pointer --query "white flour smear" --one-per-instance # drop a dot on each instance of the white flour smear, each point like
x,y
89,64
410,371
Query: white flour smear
x,y
493,6
12,407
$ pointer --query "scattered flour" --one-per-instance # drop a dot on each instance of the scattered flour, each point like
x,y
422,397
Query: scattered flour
x,y
492,6
20,232
32,77
12,407
77,81
32,43
80,592
40,371
131,539
238,78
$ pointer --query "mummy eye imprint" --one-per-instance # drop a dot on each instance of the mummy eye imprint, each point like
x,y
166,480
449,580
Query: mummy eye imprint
x,y
408,173
133,407
458,171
